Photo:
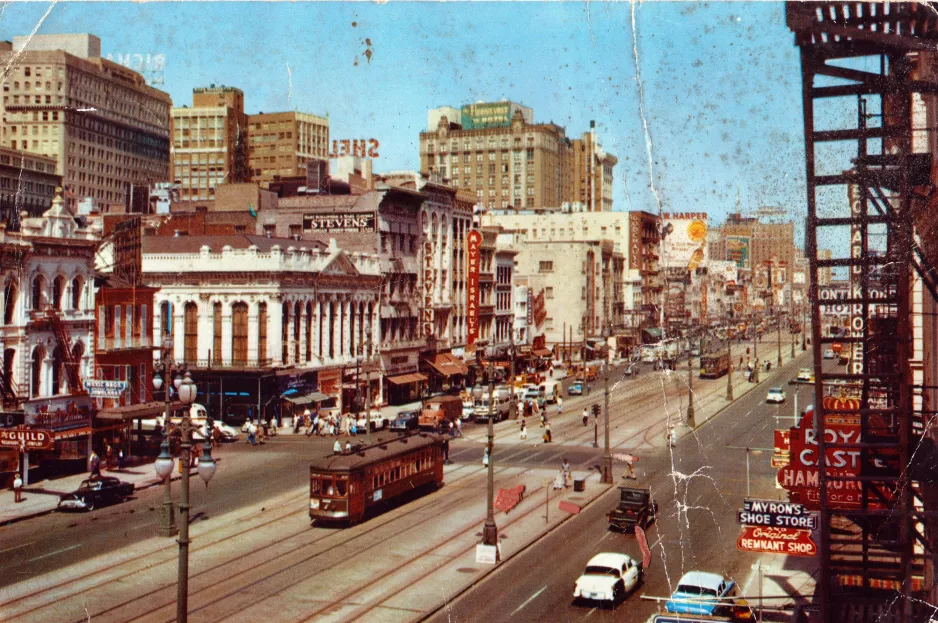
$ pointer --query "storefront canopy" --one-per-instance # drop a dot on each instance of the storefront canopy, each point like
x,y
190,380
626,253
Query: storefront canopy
x,y
143,410
404,379
447,364
306,399
542,352
651,335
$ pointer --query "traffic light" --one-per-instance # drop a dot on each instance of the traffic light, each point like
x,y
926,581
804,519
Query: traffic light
x,y
595,410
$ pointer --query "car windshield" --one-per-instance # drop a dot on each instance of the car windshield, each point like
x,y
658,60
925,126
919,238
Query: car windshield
x,y
692,589
776,390
600,570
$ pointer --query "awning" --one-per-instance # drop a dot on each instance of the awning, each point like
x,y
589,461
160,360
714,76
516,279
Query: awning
x,y
71,433
144,410
306,399
404,379
542,352
447,365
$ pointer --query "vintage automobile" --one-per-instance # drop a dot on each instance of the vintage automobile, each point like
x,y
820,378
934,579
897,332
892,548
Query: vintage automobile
x,y
776,395
709,594
576,389
608,578
636,508
405,421
96,492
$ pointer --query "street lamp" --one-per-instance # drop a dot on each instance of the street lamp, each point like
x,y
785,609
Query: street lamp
x,y
164,463
187,391
754,377
729,372
690,390
778,326
607,456
490,530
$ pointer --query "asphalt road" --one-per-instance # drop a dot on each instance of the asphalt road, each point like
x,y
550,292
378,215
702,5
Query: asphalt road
x,y
699,486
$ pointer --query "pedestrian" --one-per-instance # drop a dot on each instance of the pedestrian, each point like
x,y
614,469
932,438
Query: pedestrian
x,y
265,426
452,429
252,433
216,437
337,447
559,405
629,466
670,437
120,459
459,427
589,388
524,430
485,457
108,455
18,488
95,465
565,472
543,419
348,446
586,416
550,435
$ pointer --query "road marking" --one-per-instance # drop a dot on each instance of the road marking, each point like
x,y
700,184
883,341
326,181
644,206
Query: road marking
x,y
60,551
10,549
589,613
529,600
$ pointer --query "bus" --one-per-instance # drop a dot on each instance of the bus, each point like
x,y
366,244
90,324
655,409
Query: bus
x,y
714,366
344,486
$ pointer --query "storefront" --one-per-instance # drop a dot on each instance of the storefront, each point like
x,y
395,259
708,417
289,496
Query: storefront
x,y
405,388
123,426
445,372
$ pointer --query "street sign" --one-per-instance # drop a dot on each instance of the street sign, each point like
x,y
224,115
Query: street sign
x,y
105,389
26,438
776,541
771,513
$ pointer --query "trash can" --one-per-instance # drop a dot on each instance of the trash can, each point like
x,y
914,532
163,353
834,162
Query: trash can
x,y
579,481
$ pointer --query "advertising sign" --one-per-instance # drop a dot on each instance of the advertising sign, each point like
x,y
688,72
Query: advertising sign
x,y
429,283
473,246
775,514
105,389
339,222
358,148
26,438
540,309
776,541
737,250
128,250
529,303
685,245
782,449
635,241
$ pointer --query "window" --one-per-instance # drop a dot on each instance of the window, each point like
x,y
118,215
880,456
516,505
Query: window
x,y
549,292
216,333
37,292
77,286
545,267
239,334
9,302
58,287
191,338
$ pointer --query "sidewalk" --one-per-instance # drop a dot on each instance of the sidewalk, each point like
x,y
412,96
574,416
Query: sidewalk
x,y
43,497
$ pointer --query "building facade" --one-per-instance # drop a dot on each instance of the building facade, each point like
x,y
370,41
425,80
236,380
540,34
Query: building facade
x,y
106,129
281,143
27,184
210,142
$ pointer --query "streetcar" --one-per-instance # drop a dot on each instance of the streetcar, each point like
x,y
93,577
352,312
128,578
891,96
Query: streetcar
x,y
343,487
714,366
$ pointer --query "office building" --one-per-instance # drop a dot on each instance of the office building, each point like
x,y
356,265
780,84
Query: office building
x,y
281,143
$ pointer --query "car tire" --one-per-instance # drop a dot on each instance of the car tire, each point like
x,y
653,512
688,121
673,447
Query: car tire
x,y
89,504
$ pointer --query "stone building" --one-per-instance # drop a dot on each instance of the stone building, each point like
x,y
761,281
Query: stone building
x,y
281,143
27,184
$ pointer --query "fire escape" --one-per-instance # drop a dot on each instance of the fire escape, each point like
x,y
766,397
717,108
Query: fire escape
x,y
858,61
49,318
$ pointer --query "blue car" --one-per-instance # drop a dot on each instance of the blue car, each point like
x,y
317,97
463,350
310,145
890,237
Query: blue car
x,y
699,592
576,389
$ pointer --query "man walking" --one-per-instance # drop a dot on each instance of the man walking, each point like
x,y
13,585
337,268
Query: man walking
x,y
18,487
586,416
95,465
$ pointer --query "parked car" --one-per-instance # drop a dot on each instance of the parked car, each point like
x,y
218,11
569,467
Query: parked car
x,y
576,389
830,354
96,492
775,395
406,421
699,592
378,422
608,578
636,508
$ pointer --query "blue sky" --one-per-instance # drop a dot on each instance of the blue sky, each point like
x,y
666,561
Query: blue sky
x,y
721,80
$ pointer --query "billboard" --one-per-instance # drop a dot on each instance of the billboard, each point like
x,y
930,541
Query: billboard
x,y
339,222
685,242
473,246
737,250
728,271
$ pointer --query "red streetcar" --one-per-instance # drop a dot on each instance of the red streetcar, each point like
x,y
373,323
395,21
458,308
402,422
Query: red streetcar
x,y
343,487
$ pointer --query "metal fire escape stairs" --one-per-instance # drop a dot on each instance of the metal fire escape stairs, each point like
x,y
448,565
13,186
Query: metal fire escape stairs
x,y
64,337
876,561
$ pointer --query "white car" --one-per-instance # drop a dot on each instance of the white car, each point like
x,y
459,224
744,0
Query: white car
x,y
608,578
776,395
829,354
228,433
378,422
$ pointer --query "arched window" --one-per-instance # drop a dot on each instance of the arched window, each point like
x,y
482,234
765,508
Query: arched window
x,y
58,290
285,333
39,284
216,333
78,351
78,285
309,331
261,333
166,319
58,371
191,340
9,356
39,356
239,334
297,310
9,301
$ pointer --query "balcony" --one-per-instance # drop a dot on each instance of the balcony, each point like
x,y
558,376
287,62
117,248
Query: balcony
x,y
250,363
111,344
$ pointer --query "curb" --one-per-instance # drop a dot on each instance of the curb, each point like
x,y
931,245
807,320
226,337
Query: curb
x,y
500,566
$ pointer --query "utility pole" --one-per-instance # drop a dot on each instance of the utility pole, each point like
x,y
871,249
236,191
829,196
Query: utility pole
x,y
368,392
729,373
690,392
607,457
358,388
512,407
755,355
804,329
490,530
563,342
778,323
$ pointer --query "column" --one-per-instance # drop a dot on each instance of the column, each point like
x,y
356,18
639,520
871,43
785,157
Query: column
x,y
328,345
226,334
304,332
316,319
291,339
253,333
275,329
346,328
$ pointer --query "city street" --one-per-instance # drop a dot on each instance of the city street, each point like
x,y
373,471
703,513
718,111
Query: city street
x,y
251,535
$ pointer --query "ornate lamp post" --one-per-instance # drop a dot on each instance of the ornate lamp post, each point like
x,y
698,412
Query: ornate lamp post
x,y
607,456
187,391
755,355
729,373
164,463
490,530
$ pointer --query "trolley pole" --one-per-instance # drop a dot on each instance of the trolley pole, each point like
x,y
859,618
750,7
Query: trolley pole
x,y
778,326
690,392
607,457
729,373
490,530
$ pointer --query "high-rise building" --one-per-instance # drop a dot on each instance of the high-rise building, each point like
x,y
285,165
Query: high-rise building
x,y
281,143
210,142
497,152
105,128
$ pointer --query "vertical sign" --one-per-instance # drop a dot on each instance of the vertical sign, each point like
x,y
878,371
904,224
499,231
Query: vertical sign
x,y
429,282
530,304
473,246
857,323
635,240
